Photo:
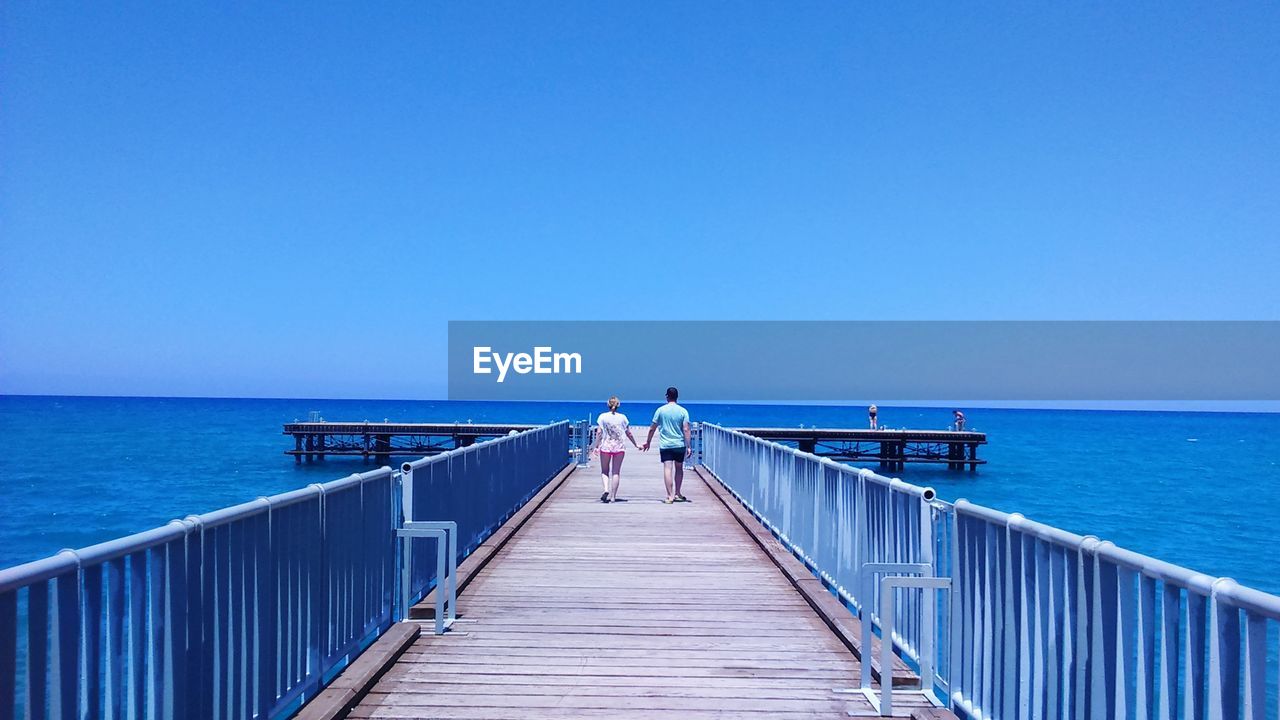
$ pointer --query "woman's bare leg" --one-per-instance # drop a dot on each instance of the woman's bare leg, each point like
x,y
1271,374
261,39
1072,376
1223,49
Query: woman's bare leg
x,y
617,476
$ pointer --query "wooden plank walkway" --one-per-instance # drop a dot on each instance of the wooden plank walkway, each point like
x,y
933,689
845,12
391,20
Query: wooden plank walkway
x,y
635,609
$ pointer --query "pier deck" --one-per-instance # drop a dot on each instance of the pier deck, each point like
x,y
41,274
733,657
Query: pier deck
x,y
380,441
630,610
892,449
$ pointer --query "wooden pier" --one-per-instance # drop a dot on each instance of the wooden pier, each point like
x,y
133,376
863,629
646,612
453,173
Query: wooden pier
x,y
637,609
892,449
381,441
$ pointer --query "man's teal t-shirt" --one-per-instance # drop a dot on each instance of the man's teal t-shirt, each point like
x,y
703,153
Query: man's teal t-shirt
x,y
670,419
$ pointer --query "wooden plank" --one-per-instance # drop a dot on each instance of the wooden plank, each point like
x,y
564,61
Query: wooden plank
x,y
655,699
341,696
933,714
487,713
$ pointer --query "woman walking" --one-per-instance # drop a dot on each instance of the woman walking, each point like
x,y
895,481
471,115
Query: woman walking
x,y
611,428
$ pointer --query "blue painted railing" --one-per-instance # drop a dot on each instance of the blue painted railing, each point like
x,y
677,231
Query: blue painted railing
x,y
1038,622
245,611
480,487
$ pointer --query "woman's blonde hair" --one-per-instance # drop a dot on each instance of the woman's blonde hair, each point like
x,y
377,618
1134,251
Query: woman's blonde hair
x,y
613,403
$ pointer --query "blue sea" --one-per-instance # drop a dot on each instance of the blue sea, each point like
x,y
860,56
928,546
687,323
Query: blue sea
x,y
1197,489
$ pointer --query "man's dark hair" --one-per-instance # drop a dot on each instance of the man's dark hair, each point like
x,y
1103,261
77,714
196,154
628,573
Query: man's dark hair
x,y
672,394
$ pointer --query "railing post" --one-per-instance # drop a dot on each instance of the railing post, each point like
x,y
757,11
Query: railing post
x,y
406,493
319,598
583,428
860,539
955,620
928,619
1224,653
406,512
695,436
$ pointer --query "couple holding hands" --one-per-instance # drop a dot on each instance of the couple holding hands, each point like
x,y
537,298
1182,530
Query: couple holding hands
x,y
671,422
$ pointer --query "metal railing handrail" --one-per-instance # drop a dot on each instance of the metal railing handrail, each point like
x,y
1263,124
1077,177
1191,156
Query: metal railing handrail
x,y
1116,614
165,608
47,567
454,452
1257,600
1242,596
922,491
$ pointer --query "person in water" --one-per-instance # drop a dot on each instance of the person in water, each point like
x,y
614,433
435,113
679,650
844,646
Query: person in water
x,y
959,419
871,413
673,444
611,428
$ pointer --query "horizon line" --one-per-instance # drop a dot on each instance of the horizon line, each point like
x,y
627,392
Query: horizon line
x,y
1270,407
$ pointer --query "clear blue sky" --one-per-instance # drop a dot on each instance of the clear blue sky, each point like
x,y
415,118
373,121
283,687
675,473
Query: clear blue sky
x,y
270,199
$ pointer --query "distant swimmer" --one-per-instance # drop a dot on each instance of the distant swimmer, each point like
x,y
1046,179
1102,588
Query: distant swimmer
x,y
871,413
959,420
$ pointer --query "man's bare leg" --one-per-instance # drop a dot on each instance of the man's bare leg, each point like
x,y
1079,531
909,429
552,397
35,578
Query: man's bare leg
x,y
679,479
668,472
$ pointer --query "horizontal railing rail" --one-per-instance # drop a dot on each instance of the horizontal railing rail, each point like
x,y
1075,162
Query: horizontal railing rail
x,y
1041,623
245,611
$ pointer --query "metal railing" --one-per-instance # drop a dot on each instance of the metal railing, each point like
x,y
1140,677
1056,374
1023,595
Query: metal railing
x,y
245,611
856,530
1052,624
479,487
580,437
1040,623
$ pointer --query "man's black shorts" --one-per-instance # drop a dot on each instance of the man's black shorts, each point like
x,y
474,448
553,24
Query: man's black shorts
x,y
669,454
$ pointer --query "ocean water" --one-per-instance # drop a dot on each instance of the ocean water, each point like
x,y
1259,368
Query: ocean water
x,y
1197,489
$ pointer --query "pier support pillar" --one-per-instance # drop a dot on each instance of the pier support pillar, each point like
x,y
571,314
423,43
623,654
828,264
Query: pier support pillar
x,y
808,445
973,457
382,449
297,447
891,455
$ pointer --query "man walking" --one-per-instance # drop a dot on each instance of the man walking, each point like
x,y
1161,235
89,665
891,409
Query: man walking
x,y
672,424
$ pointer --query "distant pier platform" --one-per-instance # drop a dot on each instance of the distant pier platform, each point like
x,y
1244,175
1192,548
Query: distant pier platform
x,y
381,441
892,449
